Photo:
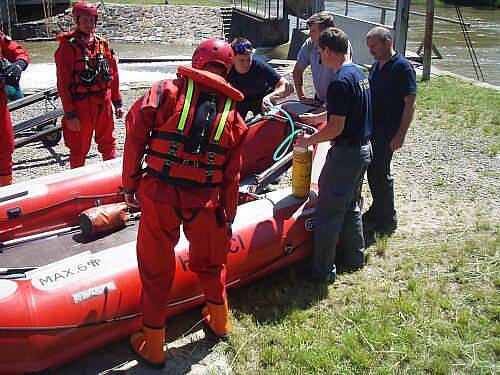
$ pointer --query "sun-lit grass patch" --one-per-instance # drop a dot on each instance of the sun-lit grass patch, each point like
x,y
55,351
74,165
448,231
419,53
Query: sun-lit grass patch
x,y
419,318
462,109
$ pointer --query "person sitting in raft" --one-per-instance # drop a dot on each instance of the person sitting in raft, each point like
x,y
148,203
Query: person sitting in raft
x,y
256,79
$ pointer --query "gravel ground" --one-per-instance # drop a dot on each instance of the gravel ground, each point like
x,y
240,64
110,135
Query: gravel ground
x,y
443,188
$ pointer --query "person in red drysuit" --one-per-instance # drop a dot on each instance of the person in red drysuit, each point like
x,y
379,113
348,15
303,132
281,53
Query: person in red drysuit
x,y
87,81
10,75
192,138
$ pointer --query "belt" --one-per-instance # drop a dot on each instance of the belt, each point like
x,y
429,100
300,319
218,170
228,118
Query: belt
x,y
351,142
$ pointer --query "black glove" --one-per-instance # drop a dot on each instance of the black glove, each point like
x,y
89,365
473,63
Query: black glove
x,y
13,72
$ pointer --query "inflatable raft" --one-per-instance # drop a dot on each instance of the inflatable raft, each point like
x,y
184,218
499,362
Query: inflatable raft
x,y
53,202
64,288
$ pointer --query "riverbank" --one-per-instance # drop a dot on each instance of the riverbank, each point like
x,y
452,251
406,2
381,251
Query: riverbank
x,y
427,300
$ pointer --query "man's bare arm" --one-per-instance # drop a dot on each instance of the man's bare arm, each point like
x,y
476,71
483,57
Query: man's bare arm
x,y
408,111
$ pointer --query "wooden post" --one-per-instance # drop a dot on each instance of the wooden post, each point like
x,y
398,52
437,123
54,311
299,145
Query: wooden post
x,y
401,25
382,16
429,27
346,7
9,15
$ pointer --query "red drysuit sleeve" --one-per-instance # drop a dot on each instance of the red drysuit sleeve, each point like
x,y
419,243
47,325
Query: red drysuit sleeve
x,y
139,122
65,62
231,178
116,95
12,51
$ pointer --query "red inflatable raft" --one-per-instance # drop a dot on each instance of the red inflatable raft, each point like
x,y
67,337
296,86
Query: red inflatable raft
x,y
65,288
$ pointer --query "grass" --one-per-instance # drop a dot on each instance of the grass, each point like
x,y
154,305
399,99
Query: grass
x,y
426,303
462,109
434,317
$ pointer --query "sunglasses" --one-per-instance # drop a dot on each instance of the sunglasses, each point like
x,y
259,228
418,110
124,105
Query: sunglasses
x,y
243,47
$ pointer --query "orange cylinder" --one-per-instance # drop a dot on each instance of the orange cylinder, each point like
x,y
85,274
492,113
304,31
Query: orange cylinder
x,y
301,171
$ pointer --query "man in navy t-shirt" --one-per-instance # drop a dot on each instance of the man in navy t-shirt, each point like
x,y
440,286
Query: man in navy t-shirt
x,y
256,79
394,88
338,215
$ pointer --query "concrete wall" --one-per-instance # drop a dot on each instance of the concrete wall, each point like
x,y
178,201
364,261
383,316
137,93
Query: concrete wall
x,y
260,31
168,24
357,29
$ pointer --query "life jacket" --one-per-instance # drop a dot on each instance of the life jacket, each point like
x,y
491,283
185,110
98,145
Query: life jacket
x,y
91,73
3,64
168,156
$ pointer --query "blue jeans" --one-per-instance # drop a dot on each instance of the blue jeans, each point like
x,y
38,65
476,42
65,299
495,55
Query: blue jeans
x,y
338,216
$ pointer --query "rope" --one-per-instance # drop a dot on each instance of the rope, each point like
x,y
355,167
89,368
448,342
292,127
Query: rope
x,y
470,47
288,140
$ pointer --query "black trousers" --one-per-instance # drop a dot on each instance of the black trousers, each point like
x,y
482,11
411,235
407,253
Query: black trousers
x,y
380,180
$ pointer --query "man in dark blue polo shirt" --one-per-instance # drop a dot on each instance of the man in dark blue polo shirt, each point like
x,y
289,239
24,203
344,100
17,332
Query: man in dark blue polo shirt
x,y
394,88
338,215
256,79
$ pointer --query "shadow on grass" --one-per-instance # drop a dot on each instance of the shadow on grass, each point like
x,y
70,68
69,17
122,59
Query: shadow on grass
x,y
273,298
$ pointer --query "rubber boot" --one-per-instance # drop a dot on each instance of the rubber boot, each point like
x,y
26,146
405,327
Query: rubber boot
x,y
148,345
217,318
6,180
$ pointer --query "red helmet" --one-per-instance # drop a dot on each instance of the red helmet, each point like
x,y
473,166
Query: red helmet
x,y
83,8
213,50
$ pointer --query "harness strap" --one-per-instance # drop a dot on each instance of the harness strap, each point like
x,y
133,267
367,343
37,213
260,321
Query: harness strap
x,y
181,182
176,159
181,138
184,219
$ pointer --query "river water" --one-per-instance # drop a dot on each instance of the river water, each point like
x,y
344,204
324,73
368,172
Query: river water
x,y
448,38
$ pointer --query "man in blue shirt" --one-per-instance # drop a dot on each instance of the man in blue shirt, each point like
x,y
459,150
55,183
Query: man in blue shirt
x,y
321,74
338,215
309,56
394,88
256,79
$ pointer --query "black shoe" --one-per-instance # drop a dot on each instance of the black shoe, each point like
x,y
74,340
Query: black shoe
x,y
386,229
369,217
370,222
307,274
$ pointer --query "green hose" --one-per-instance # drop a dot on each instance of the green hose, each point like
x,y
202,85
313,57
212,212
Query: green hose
x,y
288,140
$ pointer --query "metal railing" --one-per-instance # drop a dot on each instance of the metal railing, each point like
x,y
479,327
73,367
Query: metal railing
x,y
384,10
261,8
